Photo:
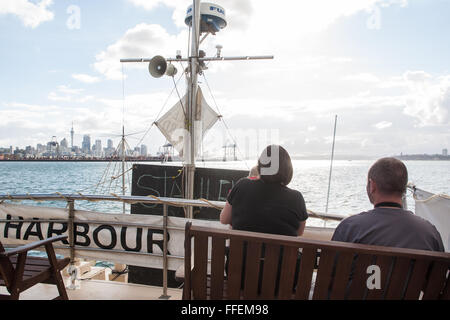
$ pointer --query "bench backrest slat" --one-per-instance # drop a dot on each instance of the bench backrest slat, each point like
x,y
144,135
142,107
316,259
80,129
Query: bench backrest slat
x,y
343,268
436,282
269,278
287,274
251,275
385,264
261,266
398,279
323,279
307,264
217,267
200,266
235,269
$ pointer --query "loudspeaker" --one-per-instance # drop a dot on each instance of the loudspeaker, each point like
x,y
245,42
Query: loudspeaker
x,y
158,67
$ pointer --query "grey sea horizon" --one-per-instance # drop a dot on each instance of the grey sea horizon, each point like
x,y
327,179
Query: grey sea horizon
x,y
347,193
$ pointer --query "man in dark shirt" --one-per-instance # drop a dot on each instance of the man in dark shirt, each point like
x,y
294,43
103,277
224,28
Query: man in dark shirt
x,y
388,224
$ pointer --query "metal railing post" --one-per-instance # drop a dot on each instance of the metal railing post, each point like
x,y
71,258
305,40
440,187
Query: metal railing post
x,y
165,258
72,270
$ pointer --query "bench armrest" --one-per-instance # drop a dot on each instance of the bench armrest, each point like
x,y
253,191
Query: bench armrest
x,y
32,246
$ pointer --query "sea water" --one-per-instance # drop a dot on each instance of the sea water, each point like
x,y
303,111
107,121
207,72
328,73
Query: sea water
x,y
347,190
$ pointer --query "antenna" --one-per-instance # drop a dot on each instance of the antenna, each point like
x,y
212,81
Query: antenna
x,y
205,18
331,164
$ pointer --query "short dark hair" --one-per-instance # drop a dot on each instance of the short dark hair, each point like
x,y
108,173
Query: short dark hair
x,y
283,174
390,175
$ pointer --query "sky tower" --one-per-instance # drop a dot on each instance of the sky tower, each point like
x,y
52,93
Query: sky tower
x,y
71,136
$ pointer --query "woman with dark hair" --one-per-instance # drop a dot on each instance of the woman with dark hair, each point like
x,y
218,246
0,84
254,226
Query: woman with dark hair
x,y
267,205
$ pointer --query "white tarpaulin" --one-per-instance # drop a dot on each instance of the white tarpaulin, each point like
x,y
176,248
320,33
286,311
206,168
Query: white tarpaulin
x,y
121,238
132,239
172,125
436,209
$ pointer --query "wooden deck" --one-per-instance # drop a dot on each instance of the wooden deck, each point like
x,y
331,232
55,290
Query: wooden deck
x,y
100,290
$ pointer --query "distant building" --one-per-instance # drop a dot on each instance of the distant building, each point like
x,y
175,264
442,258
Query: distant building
x,y
144,151
63,143
86,144
109,150
444,152
98,148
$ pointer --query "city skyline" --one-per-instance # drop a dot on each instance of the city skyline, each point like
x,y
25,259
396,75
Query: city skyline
x,y
88,147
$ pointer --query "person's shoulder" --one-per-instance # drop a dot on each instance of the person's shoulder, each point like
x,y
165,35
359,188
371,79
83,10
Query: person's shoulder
x,y
294,192
349,226
422,221
353,220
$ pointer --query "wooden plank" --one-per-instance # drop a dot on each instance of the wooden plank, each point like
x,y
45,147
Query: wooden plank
x,y
307,264
436,281
358,284
200,266
385,263
187,288
446,294
287,275
252,262
341,276
270,272
417,279
323,280
235,269
217,267
398,281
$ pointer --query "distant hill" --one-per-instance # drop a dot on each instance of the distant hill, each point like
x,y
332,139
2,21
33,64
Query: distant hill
x,y
423,157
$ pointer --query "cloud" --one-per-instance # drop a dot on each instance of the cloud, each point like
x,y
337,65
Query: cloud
x,y
383,125
362,77
429,98
85,78
31,14
64,93
142,41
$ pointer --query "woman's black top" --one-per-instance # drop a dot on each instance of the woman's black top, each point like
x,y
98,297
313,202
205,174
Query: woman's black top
x,y
264,207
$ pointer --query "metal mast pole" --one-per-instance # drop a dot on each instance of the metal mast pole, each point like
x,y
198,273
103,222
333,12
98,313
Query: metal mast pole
x,y
331,165
192,88
123,165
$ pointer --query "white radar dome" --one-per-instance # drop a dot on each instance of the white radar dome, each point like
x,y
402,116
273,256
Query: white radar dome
x,y
212,17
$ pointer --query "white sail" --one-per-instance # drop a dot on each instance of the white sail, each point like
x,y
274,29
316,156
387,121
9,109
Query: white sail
x,y
172,125
436,209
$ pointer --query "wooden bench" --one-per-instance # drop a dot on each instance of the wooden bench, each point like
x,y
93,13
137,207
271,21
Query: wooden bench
x,y
19,271
264,266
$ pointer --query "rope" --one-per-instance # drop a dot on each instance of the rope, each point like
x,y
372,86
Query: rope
x,y
211,204
434,196
223,121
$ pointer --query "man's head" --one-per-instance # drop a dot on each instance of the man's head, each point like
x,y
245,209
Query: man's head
x,y
387,180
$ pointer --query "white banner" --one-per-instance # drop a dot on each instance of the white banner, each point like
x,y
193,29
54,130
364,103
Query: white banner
x,y
139,244
122,238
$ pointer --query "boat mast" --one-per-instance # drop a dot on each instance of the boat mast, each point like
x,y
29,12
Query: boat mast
x,y
331,164
192,89
123,166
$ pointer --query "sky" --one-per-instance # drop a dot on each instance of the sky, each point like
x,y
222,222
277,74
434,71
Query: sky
x,y
381,66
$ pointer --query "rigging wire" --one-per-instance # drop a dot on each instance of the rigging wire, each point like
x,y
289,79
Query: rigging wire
x,y
160,111
223,121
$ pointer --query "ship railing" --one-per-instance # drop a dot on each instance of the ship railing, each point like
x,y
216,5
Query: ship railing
x,y
70,215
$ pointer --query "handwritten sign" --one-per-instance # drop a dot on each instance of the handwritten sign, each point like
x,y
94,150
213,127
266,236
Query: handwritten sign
x,y
167,181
